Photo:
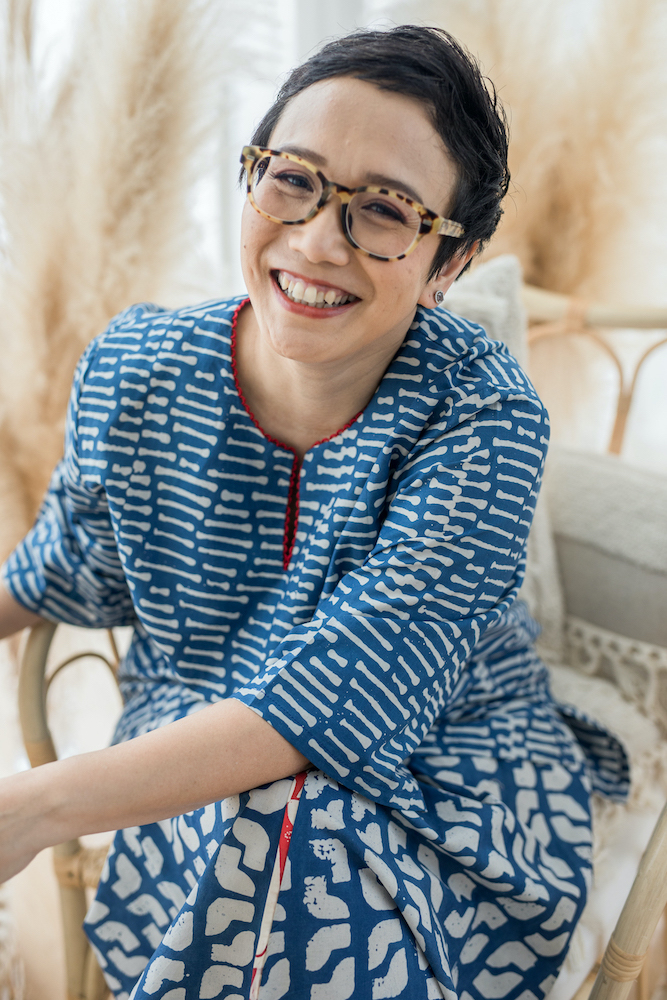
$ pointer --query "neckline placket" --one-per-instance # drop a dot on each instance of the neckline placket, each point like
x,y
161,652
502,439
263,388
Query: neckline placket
x,y
291,523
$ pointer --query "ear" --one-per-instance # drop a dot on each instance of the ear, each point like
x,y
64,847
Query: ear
x,y
445,278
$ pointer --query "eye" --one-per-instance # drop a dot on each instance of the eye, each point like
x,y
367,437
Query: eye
x,y
259,171
296,179
383,210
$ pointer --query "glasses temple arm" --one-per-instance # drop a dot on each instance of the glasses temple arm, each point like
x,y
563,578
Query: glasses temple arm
x,y
448,227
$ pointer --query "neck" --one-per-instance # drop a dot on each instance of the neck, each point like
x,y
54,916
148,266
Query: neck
x,y
300,404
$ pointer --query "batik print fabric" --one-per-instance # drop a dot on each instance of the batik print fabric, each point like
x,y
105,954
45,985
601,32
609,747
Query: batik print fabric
x,y
441,845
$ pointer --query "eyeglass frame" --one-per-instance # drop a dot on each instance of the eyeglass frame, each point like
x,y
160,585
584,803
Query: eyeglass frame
x,y
429,221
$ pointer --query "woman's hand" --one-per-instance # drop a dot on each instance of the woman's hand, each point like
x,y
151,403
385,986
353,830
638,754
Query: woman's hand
x,y
222,750
20,823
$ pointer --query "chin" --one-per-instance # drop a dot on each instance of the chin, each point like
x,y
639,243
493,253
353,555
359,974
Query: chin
x,y
306,347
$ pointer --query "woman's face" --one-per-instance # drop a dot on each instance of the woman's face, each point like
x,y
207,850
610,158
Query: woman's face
x,y
355,134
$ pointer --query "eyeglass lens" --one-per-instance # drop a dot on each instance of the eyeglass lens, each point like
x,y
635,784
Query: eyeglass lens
x,y
288,192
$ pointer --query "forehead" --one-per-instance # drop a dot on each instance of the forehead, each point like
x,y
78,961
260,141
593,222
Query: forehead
x,y
357,130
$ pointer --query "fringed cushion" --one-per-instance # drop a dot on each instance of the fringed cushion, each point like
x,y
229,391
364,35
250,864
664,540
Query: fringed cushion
x,y
621,831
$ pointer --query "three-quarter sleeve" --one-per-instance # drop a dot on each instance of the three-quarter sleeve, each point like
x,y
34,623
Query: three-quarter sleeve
x,y
357,688
67,568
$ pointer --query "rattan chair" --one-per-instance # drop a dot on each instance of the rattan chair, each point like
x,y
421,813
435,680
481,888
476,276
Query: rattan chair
x,y
553,315
77,867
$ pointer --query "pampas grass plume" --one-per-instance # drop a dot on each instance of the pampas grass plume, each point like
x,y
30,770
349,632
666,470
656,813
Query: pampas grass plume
x,y
584,85
95,189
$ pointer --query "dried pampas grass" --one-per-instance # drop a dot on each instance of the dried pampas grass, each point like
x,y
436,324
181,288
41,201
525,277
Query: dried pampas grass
x,y
96,185
583,82
584,85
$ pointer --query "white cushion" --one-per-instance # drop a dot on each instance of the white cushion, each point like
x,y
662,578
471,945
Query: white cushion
x,y
491,296
610,528
621,830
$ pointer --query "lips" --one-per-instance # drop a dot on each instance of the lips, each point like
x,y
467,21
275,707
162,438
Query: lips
x,y
313,294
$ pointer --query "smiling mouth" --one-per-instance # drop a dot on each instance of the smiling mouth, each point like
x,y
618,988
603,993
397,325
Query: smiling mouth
x,y
311,294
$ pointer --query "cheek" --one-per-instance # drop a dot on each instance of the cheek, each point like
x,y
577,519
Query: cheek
x,y
256,232
255,240
401,282
248,216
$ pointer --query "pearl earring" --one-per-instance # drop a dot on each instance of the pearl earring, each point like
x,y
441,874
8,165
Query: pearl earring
x,y
439,297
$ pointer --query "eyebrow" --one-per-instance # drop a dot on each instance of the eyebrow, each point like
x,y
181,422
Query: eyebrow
x,y
380,179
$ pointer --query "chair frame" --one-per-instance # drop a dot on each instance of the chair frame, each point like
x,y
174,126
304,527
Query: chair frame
x,y
76,866
551,314
626,952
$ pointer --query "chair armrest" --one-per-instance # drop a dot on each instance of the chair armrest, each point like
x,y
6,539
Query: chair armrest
x,y
76,867
626,952
32,696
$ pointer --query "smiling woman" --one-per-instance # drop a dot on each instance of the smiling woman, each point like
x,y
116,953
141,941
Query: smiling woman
x,y
354,131
312,503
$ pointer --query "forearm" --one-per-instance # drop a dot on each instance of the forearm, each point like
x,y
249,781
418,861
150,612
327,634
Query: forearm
x,y
223,750
13,616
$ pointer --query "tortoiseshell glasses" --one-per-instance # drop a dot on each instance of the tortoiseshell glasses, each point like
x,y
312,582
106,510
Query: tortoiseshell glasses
x,y
381,223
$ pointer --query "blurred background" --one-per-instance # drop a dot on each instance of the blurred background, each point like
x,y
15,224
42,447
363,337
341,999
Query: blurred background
x,y
121,125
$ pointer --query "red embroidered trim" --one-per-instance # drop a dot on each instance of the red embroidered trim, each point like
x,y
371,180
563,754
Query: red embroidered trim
x,y
292,512
292,515
275,885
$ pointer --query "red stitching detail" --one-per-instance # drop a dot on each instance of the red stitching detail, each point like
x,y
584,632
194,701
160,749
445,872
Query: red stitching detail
x,y
292,514
289,538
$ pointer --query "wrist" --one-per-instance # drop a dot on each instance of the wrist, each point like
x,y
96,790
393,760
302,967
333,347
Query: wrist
x,y
48,810
23,825
31,818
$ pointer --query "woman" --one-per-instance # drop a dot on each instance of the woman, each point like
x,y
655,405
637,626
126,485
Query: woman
x,y
313,506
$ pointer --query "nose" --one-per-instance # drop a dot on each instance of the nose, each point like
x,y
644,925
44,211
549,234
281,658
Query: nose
x,y
322,239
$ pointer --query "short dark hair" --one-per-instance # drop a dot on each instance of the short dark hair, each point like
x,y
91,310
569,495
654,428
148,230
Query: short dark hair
x,y
431,66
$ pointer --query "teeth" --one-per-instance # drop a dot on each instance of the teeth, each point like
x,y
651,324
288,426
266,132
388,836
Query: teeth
x,y
310,295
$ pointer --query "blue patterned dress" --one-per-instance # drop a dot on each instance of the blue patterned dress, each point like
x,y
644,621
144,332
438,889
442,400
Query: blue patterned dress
x,y
363,603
